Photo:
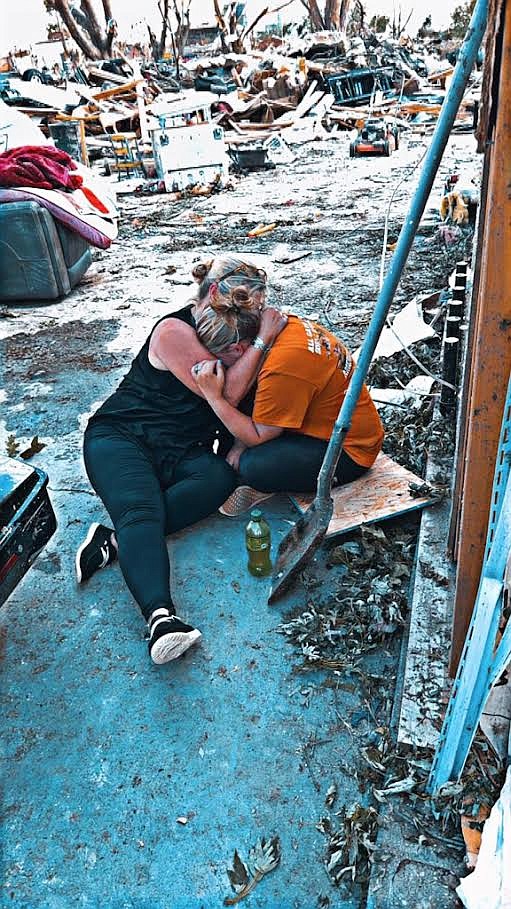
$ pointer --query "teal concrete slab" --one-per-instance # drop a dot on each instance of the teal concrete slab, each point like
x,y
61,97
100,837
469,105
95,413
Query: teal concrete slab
x,y
103,751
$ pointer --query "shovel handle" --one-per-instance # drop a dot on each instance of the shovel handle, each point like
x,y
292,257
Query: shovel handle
x,y
466,60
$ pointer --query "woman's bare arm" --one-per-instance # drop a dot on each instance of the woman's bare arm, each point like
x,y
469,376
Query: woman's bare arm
x,y
211,378
176,347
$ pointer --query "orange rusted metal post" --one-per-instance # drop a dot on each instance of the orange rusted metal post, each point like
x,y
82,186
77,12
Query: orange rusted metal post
x,y
491,354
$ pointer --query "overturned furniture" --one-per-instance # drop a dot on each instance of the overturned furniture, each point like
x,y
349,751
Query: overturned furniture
x,y
128,158
359,85
40,258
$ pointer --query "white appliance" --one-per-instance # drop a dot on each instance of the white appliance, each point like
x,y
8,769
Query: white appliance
x,y
188,148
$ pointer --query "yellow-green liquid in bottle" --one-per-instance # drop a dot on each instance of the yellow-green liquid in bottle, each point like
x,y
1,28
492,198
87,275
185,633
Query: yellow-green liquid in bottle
x,y
258,543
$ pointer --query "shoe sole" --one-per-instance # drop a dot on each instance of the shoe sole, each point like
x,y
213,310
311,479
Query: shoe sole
x,y
241,500
171,646
87,540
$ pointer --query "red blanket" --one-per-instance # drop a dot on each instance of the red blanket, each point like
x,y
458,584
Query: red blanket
x,y
41,166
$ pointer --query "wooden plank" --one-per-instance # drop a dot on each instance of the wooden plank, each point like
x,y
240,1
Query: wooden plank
x,y
426,681
310,99
437,77
105,76
116,90
491,361
247,127
474,303
38,111
384,492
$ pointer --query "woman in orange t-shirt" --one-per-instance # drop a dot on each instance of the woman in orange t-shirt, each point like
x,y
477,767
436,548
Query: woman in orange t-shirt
x,y
300,388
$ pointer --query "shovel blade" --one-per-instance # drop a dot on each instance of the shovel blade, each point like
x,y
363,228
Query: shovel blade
x,y
298,546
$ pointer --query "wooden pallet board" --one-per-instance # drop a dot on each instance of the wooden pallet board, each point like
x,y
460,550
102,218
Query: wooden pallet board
x,y
383,492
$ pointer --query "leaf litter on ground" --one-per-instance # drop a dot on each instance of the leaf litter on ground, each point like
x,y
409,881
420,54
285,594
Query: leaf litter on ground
x,y
364,610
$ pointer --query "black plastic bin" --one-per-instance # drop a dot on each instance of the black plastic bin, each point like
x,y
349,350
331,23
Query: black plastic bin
x,y
27,520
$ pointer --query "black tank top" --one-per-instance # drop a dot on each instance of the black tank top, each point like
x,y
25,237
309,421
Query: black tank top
x,y
155,406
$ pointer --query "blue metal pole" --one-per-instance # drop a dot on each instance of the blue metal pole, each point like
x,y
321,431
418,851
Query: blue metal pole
x,y
464,66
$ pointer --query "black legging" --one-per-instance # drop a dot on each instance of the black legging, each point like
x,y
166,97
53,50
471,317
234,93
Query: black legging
x,y
146,504
291,463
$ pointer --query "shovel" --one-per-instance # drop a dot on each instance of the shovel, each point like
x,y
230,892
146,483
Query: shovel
x,y
308,532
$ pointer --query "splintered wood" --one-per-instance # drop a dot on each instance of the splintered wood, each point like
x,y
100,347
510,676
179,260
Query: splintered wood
x,y
384,492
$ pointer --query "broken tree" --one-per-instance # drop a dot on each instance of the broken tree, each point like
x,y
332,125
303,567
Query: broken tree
x,y
93,36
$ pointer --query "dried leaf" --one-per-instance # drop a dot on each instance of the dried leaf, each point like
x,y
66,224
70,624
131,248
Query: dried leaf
x,y
331,795
404,785
262,858
350,849
34,447
265,856
12,446
238,874
324,825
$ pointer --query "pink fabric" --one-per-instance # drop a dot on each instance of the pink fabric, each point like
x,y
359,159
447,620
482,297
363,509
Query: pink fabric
x,y
40,166
81,225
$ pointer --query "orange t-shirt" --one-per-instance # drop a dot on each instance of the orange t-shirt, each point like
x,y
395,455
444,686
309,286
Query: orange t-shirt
x,y
302,385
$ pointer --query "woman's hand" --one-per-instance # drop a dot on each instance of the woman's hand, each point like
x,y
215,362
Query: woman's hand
x,y
210,377
272,323
234,454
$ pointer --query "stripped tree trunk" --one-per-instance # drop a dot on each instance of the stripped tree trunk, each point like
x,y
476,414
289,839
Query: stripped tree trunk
x,y
93,37
82,38
158,44
332,14
164,26
316,18
107,7
220,21
182,14
344,7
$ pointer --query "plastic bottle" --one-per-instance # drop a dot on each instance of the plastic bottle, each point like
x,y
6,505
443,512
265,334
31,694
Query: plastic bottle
x,y
258,543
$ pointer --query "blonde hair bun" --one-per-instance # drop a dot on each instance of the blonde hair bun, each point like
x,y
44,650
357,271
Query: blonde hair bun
x,y
201,270
237,299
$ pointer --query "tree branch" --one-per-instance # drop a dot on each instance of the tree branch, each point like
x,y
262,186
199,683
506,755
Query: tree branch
x,y
82,39
317,20
93,27
343,15
107,7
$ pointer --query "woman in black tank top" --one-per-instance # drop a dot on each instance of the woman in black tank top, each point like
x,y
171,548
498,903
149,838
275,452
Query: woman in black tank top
x,y
148,450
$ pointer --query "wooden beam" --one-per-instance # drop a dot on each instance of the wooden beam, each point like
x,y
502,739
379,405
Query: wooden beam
x,y
117,90
491,360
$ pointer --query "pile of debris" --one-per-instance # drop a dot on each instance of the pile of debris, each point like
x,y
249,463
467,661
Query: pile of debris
x,y
127,111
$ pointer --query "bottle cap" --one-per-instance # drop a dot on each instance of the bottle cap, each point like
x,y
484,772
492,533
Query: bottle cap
x,y
256,514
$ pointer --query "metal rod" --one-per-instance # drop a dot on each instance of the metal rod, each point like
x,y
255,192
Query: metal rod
x,y
466,60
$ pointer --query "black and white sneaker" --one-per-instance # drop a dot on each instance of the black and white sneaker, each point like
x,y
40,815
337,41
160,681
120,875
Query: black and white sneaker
x,y
169,637
97,551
